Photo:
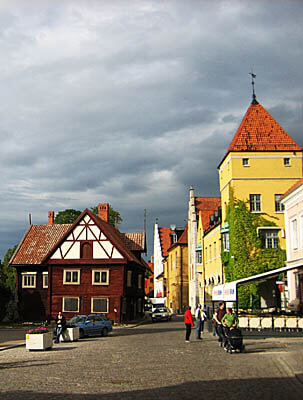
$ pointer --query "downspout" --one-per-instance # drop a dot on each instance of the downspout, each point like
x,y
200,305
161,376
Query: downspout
x,y
181,281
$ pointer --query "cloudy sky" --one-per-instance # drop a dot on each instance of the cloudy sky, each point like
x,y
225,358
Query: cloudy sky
x,y
132,102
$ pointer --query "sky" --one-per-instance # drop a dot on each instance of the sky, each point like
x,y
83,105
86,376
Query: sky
x,y
133,102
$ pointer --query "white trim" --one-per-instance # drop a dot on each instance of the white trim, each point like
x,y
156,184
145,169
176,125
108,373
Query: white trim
x,y
70,297
100,271
99,312
29,274
71,270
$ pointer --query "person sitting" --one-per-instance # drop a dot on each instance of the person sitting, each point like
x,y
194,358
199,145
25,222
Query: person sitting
x,y
60,325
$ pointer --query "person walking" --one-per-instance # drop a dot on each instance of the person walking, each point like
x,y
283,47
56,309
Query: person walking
x,y
60,325
188,321
219,314
200,318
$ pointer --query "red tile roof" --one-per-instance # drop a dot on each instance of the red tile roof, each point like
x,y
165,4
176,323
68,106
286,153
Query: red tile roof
x,y
206,206
292,188
37,242
164,234
41,240
259,131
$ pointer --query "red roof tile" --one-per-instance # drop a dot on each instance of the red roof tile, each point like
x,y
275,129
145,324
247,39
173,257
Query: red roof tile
x,y
206,206
292,188
164,234
259,131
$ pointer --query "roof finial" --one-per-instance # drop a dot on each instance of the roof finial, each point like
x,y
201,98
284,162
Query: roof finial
x,y
253,76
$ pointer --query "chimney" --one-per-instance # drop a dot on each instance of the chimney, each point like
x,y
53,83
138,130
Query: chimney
x,y
51,216
103,210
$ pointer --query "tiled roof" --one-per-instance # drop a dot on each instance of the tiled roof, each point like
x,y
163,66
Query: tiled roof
x,y
292,188
135,240
206,206
259,131
165,241
37,243
184,237
40,240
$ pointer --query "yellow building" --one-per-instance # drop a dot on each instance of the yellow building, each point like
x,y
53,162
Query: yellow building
x,y
260,164
176,274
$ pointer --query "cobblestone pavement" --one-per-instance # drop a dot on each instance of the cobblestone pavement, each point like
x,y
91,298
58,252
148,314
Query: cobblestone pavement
x,y
152,361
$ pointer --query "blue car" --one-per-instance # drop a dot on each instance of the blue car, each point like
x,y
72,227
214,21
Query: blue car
x,y
92,324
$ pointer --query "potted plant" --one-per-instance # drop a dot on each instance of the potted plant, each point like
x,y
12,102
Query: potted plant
x,y
39,339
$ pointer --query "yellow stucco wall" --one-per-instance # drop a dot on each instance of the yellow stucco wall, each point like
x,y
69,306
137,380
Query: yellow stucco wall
x,y
265,174
176,274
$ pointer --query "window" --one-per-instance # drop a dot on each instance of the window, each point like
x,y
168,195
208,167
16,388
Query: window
x,y
226,241
70,304
100,277
245,162
99,304
294,234
210,252
71,277
140,281
271,239
29,279
199,256
86,250
45,280
279,207
215,250
255,202
129,279
286,162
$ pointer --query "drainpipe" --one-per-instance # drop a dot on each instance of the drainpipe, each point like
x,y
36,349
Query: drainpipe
x,y
181,281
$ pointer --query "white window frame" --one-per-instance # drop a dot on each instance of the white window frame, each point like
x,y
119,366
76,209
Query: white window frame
x,y
106,283
294,234
255,203
129,278
25,276
45,280
279,207
271,237
199,256
71,271
99,312
70,297
245,162
226,243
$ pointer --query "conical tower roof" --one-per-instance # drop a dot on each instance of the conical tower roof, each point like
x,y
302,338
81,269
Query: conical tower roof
x,y
259,131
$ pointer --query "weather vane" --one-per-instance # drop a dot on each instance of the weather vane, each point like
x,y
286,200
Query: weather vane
x,y
253,76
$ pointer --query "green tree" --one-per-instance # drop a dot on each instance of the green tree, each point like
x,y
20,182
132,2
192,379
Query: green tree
x,y
247,255
7,282
69,216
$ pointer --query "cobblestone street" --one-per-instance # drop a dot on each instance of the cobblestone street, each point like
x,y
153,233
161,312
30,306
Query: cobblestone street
x,y
151,361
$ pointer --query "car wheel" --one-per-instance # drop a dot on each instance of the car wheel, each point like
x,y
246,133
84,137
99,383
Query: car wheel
x,y
104,332
81,333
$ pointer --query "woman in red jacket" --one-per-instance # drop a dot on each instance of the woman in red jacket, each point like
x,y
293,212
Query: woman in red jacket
x,y
188,321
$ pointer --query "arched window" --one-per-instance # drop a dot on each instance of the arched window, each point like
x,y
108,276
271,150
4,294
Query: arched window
x,y
86,250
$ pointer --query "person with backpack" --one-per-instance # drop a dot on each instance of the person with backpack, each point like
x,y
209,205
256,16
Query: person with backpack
x,y
200,318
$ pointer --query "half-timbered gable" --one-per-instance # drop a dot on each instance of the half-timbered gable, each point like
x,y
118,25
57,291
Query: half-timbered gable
x,y
84,267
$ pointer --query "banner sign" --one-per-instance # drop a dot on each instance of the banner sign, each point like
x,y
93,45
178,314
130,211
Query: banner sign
x,y
226,292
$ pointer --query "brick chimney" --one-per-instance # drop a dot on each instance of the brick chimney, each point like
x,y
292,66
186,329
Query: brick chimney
x,y
103,210
51,217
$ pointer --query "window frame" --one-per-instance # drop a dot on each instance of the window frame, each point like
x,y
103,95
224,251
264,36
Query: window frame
x,y
271,236
279,207
245,162
100,271
28,275
92,305
70,297
294,234
286,161
140,276
71,271
44,278
226,241
255,203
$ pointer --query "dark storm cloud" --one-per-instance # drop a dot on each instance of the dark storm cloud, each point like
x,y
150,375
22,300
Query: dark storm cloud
x,y
133,102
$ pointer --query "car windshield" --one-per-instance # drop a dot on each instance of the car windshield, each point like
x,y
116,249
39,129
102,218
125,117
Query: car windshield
x,y
161,310
77,319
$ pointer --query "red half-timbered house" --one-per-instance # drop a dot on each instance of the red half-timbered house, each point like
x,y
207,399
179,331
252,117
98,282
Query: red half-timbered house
x,y
80,268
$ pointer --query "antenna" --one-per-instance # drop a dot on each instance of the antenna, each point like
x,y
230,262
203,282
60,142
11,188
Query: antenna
x,y
253,76
30,218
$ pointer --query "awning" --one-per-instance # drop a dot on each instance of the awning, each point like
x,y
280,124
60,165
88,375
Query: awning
x,y
228,291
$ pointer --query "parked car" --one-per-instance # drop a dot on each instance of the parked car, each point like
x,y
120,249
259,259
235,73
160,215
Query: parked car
x,y
161,314
92,324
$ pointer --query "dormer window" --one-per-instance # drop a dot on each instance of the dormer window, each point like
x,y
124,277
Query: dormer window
x,y
286,162
245,162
